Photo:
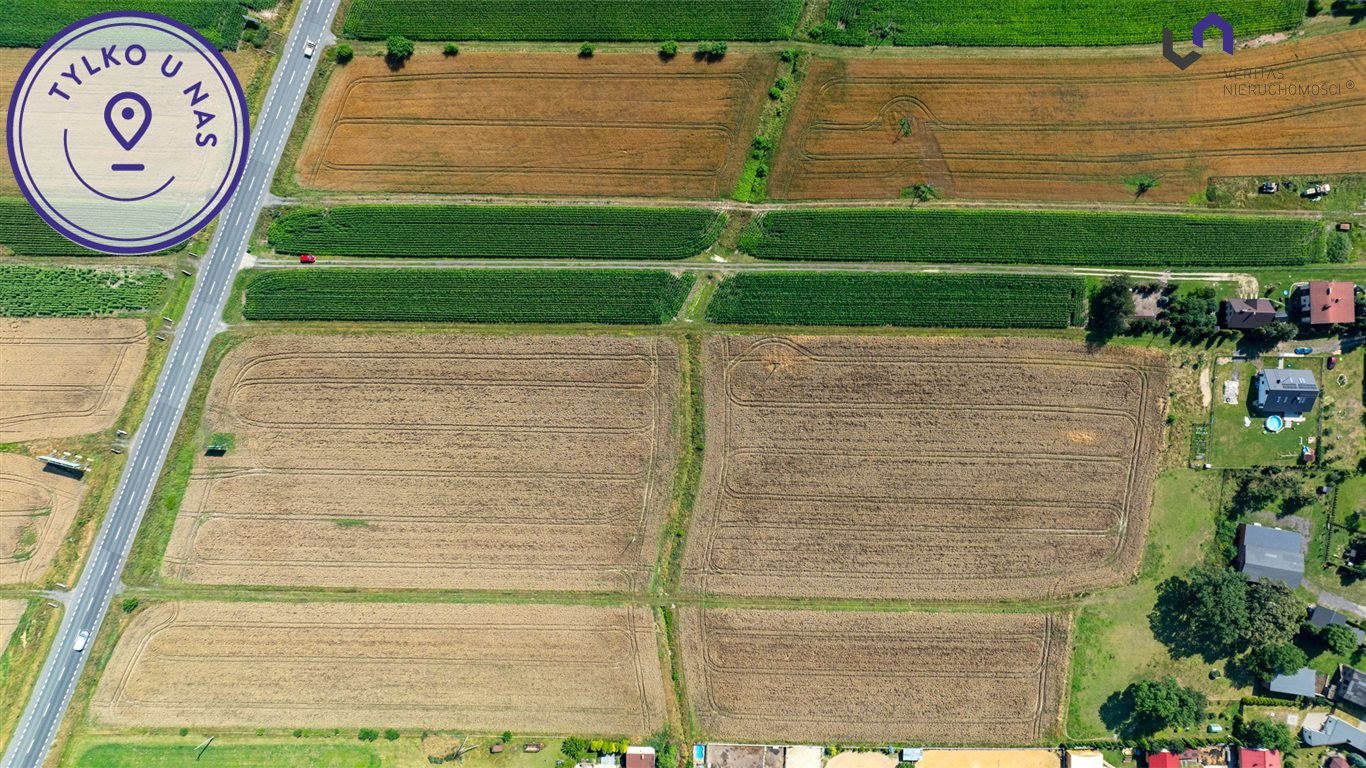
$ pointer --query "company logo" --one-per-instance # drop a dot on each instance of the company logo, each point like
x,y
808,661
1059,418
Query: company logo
x,y
128,132
1212,21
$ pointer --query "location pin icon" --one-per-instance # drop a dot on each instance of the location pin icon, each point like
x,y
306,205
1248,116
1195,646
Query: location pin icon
x,y
127,115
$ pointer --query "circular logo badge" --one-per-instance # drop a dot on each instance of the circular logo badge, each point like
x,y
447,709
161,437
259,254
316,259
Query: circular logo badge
x,y
128,132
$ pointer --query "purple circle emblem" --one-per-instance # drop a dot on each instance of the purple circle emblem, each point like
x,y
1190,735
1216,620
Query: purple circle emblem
x,y
128,132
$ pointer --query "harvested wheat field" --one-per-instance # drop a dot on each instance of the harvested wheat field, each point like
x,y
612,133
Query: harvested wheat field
x,y
826,675
923,468
12,61
528,668
63,377
434,462
611,124
36,510
10,613
1037,127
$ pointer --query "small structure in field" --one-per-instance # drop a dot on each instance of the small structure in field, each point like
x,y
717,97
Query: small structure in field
x,y
1085,758
640,757
1258,758
912,755
1274,554
1288,391
1247,314
1327,302
534,746
1304,684
496,748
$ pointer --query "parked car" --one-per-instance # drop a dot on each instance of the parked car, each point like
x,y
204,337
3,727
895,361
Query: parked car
x,y
1332,362
82,638
1304,350
1316,189
309,47
1268,188
307,258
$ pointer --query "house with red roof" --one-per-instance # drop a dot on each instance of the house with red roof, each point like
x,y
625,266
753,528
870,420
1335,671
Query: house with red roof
x,y
1259,758
1328,302
1163,760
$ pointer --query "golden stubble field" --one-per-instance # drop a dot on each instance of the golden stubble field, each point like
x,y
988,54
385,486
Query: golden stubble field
x,y
434,462
10,613
1044,126
923,468
505,123
66,377
36,509
785,675
527,668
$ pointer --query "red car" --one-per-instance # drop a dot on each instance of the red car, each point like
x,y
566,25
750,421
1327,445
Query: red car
x,y
307,258
1332,362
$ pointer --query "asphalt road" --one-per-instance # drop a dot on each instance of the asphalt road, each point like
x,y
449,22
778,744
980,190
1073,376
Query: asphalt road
x,y
88,602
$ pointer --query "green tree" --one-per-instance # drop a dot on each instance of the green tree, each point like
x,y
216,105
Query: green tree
x,y
506,737
574,748
451,49
669,49
1165,703
398,47
1339,639
1268,661
391,734
1339,247
1272,334
1191,316
129,604
1143,183
1112,307
1274,615
587,50
344,53
367,734
1264,733
1205,613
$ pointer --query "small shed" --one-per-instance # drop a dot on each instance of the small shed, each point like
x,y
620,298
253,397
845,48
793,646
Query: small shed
x,y
1303,683
496,748
912,754
640,757
534,746
1274,554
1290,391
1085,758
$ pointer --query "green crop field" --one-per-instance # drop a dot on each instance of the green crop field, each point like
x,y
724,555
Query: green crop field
x,y
226,756
1043,22
1035,237
29,23
932,300
494,231
25,233
467,295
77,291
573,20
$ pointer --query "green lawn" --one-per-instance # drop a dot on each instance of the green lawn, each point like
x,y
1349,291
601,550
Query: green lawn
x,y
1238,436
229,756
1343,430
1113,645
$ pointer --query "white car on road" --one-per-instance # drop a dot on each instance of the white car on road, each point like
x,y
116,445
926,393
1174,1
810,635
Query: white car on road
x,y
82,639
309,47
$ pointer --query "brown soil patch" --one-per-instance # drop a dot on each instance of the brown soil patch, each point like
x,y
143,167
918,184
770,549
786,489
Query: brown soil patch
x,y
12,61
10,613
1043,127
872,677
36,510
62,378
527,668
923,468
612,124
456,462
989,758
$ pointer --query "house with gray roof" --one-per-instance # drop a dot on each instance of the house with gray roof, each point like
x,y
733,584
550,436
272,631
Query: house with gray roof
x,y
1322,618
1335,732
1274,554
1304,684
1289,391
1351,686
1246,314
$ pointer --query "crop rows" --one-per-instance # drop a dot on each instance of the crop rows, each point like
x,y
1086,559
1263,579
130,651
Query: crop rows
x,y
25,233
472,231
573,19
467,296
73,292
848,298
29,23
1035,237
1042,22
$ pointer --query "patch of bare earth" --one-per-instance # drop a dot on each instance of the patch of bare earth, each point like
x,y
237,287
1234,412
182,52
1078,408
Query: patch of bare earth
x,y
36,510
527,668
923,468
65,377
779,676
10,613
436,462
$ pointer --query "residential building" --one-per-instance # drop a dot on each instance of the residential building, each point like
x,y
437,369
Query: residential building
x,y
1328,302
1289,391
1304,684
640,757
1335,732
1350,687
1163,760
1274,554
1258,758
1322,618
1247,314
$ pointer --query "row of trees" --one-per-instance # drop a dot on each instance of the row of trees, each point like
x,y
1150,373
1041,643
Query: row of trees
x,y
398,49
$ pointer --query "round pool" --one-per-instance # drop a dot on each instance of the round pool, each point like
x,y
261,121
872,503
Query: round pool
x,y
1275,423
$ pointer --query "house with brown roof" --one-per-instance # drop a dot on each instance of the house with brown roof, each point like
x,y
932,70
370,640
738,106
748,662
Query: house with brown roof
x,y
640,757
1247,314
1327,302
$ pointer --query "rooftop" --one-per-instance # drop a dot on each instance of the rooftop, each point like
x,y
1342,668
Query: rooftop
x,y
1331,302
1290,380
1304,683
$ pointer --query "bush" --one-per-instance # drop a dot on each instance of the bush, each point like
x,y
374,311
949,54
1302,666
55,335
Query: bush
x,y
367,734
574,748
1112,307
1339,639
669,49
184,731
1264,733
1165,703
506,737
1339,248
586,50
711,50
451,49
399,47
129,604
788,55
391,734
298,733
344,53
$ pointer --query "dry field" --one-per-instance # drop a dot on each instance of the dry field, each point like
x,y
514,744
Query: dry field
x,y
923,468
62,378
10,613
1037,126
842,675
527,668
538,124
434,462
36,509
